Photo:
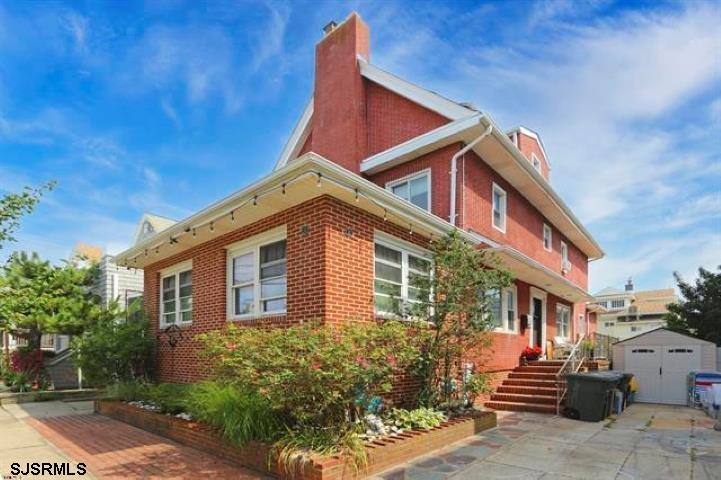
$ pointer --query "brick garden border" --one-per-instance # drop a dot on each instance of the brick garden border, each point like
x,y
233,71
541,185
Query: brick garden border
x,y
383,453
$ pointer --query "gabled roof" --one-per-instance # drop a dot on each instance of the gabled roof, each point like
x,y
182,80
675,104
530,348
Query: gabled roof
x,y
530,133
610,291
655,330
297,137
151,224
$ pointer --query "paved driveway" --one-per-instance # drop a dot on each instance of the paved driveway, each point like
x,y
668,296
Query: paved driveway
x,y
70,432
645,442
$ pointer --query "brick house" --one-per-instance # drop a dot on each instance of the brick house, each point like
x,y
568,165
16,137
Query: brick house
x,y
375,167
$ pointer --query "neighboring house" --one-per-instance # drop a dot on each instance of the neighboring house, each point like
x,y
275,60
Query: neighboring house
x,y
627,313
375,167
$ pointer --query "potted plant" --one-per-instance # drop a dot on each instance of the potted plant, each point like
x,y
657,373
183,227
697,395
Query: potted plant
x,y
530,353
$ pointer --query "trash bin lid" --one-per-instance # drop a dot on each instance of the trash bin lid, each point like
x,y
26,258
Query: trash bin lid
x,y
605,377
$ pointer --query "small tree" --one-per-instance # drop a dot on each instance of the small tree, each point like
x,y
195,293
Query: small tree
x,y
37,297
698,313
13,206
454,300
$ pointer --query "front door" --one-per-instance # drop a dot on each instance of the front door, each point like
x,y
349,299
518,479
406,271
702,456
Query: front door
x,y
538,322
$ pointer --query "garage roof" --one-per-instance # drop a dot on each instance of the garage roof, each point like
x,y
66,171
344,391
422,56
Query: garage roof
x,y
655,330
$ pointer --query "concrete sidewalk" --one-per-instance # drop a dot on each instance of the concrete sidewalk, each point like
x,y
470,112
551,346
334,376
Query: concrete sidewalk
x,y
645,442
21,443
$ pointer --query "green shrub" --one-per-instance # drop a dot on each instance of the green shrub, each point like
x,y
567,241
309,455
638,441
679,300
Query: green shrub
x,y
477,384
238,414
425,418
130,391
296,445
169,397
113,350
313,373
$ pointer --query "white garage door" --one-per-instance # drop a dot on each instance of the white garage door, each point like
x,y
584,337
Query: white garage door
x,y
661,371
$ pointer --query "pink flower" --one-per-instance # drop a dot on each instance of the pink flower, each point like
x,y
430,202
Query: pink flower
x,y
315,366
391,359
360,360
231,346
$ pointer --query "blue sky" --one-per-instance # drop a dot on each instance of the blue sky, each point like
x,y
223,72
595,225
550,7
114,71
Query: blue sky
x,y
166,106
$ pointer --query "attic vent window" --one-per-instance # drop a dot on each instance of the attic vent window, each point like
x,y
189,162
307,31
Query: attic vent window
x,y
536,162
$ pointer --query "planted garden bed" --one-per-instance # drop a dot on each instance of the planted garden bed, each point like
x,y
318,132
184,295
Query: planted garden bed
x,y
383,452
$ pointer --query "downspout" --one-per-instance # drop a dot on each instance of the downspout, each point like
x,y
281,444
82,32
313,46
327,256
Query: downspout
x,y
454,170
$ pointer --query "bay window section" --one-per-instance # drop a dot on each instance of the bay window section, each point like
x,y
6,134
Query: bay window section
x,y
257,278
502,309
396,274
176,302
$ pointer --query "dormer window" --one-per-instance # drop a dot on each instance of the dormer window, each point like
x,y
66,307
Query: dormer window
x,y
536,162
415,188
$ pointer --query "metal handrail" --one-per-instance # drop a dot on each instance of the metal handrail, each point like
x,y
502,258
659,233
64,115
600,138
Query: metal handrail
x,y
569,364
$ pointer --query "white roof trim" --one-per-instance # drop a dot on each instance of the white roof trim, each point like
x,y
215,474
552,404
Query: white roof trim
x,y
415,146
297,137
421,96
308,162
462,130
530,133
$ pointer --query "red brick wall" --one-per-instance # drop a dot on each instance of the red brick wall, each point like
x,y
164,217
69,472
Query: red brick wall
x,y
439,163
330,276
524,225
528,145
339,109
393,119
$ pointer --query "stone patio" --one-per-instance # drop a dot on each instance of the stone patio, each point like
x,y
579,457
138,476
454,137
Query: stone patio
x,y
645,442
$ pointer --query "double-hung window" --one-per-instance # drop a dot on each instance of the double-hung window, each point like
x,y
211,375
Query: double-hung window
x,y
257,276
503,308
396,268
565,264
618,303
563,320
498,210
547,237
176,301
415,188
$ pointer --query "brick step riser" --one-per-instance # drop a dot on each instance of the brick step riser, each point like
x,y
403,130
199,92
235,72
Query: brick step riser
x,y
526,390
546,363
528,383
536,399
532,376
535,369
516,407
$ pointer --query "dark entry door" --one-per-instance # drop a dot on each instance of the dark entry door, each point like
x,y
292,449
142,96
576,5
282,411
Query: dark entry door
x,y
537,319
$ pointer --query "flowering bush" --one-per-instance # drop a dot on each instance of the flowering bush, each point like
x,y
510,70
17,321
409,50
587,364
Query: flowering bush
x,y
312,373
532,353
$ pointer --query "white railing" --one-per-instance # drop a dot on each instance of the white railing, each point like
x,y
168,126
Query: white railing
x,y
572,365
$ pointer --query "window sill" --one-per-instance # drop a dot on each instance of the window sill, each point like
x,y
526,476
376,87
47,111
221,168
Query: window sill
x,y
506,331
502,230
180,325
256,316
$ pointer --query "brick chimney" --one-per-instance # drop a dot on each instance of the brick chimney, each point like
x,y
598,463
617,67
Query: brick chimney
x,y
339,119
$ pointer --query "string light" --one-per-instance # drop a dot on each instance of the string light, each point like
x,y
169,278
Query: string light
x,y
146,252
283,188
410,229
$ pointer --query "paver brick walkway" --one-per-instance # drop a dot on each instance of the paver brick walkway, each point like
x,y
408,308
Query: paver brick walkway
x,y
112,449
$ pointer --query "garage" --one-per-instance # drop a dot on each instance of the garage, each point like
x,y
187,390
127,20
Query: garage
x,y
660,360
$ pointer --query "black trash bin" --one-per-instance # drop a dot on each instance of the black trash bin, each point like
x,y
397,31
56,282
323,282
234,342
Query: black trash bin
x,y
588,395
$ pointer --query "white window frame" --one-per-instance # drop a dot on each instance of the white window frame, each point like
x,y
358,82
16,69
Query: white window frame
x,y
535,162
504,310
566,308
406,248
547,233
622,301
503,208
252,245
565,264
175,271
407,179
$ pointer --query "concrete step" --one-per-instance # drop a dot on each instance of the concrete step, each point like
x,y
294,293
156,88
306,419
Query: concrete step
x,y
521,407
537,369
517,398
523,390
526,382
532,376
